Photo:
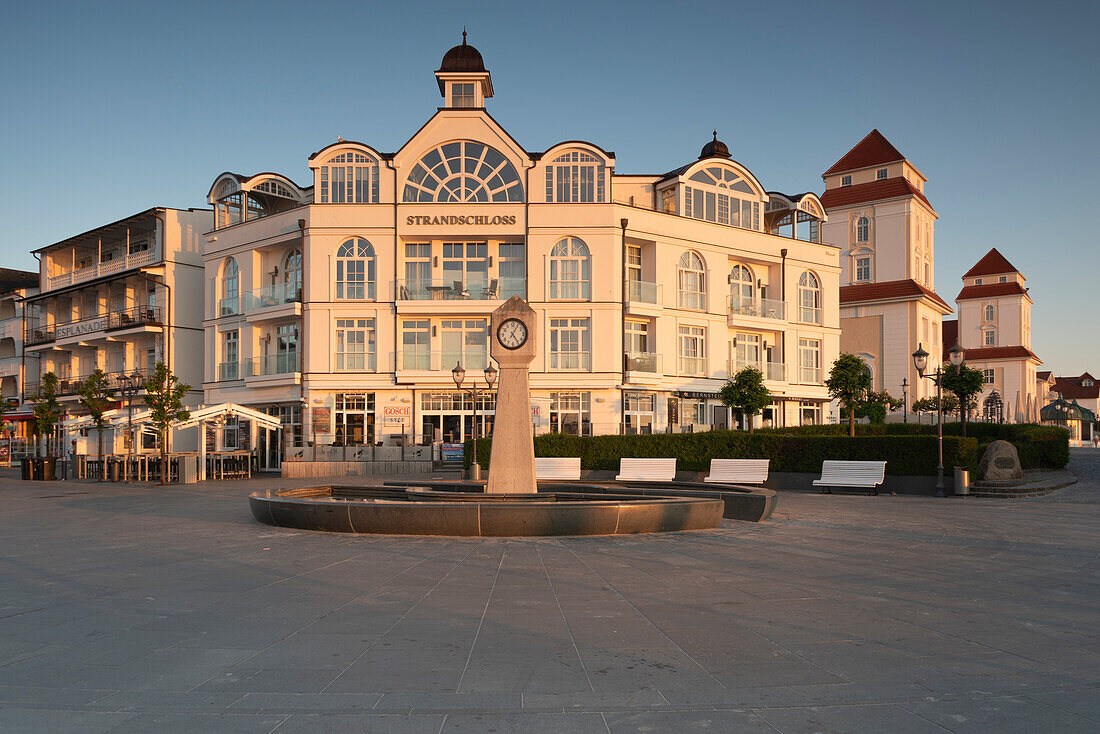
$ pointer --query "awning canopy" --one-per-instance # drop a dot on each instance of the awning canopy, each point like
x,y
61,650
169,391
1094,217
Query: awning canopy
x,y
1061,410
119,418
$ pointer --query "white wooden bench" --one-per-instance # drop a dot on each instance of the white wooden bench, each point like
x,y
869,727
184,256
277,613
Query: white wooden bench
x,y
564,467
646,470
738,471
861,474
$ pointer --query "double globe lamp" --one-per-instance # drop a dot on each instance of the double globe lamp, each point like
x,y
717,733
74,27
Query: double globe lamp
x,y
920,361
459,374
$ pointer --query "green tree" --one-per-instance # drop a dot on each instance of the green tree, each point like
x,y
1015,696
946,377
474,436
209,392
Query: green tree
x,y
849,383
746,393
875,406
164,395
928,405
966,385
97,398
47,410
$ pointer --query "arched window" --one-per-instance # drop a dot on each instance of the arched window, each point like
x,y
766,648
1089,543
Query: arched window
x,y
741,283
348,178
570,270
863,230
721,195
692,281
575,177
809,298
463,171
292,273
990,312
355,270
231,288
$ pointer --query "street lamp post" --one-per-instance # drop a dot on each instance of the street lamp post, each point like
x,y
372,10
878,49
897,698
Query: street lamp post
x,y
129,389
904,400
920,361
459,375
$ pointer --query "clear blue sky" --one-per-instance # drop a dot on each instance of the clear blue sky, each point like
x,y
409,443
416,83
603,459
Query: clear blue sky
x,y
110,108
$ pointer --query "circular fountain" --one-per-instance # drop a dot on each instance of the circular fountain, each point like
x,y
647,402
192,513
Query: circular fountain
x,y
510,503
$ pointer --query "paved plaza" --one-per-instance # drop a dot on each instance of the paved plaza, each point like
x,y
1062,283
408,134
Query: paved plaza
x,y
145,609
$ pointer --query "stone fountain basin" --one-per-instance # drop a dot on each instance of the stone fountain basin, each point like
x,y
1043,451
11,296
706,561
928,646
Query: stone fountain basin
x,y
423,511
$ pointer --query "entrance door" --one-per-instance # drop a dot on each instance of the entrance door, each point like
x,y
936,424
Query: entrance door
x,y
453,429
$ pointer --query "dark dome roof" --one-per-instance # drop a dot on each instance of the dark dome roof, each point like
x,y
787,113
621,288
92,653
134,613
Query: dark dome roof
x,y
462,58
715,148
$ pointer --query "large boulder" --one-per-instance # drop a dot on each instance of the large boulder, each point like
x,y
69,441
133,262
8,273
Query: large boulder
x,y
1000,463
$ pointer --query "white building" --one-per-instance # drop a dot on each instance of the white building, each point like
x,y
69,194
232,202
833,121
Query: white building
x,y
355,296
883,223
120,298
15,285
994,327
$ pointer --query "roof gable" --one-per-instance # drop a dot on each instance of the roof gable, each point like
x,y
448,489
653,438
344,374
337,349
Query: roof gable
x,y
871,151
994,263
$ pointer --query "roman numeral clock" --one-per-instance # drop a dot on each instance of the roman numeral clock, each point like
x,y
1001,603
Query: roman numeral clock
x,y
512,463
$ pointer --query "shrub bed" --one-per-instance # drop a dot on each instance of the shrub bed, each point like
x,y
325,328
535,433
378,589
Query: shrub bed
x,y
904,455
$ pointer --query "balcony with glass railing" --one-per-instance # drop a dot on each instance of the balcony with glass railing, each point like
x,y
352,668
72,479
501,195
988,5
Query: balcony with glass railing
x,y
355,362
273,364
272,295
230,371
809,375
571,361
492,289
772,371
692,366
694,300
649,362
422,360
229,307
764,308
639,291
569,290
809,315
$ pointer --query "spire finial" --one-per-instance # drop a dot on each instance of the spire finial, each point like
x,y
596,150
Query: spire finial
x,y
463,35
716,136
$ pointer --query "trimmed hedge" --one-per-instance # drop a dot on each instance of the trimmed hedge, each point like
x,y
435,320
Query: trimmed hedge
x,y
1039,447
904,455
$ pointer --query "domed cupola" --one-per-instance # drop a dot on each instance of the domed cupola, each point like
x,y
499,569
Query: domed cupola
x,y
714,149
463,79
462,58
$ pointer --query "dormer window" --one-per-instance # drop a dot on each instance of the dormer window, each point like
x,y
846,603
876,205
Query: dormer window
x,y
845,180
880,174
977,281
575,177
1003,279
462,95
1086,383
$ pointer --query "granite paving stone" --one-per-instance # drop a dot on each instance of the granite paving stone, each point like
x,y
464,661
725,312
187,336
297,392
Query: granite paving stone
x,y
141,608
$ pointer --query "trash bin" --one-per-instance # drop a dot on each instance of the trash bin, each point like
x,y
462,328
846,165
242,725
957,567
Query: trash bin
x,y
25,468
962,480
114,470
49,469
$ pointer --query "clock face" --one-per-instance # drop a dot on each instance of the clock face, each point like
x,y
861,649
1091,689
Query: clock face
x,y
512,334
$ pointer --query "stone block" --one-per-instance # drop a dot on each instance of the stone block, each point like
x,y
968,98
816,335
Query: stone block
x,y
1000,462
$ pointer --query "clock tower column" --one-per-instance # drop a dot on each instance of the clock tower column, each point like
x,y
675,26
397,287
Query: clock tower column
x,y
513,338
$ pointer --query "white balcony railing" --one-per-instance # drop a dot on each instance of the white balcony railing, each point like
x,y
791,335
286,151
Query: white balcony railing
x,y
110,267
809,375
423,360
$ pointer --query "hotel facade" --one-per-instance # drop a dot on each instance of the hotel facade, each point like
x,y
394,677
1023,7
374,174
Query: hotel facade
x,y
343,306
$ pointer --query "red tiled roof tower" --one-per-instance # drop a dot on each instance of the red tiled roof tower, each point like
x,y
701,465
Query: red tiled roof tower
x,y
994,263
871,151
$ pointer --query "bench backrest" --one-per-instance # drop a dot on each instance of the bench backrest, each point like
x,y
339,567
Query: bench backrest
x,y
558,467
658,469
857,471
754,470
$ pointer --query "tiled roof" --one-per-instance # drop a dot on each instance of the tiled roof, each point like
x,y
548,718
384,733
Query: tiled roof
x,y
1042,375
994,263
887,188
982,353
950,332
1071,387
890,289
871,151
988,290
